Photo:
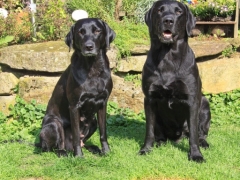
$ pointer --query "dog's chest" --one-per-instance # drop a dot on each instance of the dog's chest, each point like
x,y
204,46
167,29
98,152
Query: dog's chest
x,y
92,96
168,81
172,91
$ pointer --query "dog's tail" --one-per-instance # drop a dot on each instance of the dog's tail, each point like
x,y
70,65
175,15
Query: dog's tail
x,y
20,141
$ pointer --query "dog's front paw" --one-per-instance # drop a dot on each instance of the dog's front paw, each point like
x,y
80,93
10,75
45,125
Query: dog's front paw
x,y
61,152
144,150
105,149
78,151
195,155
196,158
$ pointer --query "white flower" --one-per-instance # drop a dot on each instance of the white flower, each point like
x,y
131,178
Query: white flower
x,y
3,12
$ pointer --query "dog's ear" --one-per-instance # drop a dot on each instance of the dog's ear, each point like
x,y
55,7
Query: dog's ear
x,y
69,38
148,19
191,21
110,35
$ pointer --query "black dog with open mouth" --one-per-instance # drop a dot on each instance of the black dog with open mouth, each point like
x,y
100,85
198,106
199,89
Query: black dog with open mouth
x,y
81,92
174,105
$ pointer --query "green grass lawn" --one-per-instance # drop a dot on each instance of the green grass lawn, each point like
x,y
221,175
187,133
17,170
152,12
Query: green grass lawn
x,y
25,162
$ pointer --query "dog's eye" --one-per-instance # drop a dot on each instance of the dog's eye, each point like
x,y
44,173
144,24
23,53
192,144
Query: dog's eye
x,y
82,31
178,12
97,31
160,10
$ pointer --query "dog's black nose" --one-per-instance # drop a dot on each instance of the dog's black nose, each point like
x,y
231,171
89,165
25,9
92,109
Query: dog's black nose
x,y
89,47
168,21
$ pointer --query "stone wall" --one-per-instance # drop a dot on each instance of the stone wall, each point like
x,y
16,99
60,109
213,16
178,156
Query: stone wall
x,y
34,69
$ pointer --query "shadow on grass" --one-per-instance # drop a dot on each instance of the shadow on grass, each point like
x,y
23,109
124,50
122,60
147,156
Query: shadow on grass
x,y
128,128
122,127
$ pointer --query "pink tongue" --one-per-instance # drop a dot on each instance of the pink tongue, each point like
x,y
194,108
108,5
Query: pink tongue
x,y
167,35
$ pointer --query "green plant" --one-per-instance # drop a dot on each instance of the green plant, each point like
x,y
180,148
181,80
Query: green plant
x,y
135,78
16,89
101,9
141,8
24,120
207,10
223,8
16,25
125,137
5,40
3,118
225,105
12,5
128,35
129,6
121,116
229,51
128,32
53,22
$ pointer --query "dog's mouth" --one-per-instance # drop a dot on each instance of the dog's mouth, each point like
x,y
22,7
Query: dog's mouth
x,y
89,53
166,36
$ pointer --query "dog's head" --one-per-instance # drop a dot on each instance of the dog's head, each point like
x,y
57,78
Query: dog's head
x,y
169,20
89,36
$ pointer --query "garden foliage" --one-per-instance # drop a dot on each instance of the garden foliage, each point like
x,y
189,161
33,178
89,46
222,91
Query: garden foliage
x,y
53,18
24,121
209,10
17,24
25,118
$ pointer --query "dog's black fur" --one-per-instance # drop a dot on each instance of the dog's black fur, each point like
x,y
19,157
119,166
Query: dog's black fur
x,y
81,92
174,105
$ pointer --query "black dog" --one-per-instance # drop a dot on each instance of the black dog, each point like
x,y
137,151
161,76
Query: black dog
x,y
174,105
81,92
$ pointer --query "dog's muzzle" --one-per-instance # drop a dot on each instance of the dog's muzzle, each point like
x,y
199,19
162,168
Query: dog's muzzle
x,y
89,50
166,36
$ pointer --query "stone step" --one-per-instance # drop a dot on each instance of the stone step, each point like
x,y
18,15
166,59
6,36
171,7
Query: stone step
x,y
218,75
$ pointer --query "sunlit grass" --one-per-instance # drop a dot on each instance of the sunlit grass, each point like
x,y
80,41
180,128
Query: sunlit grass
x,y
22,161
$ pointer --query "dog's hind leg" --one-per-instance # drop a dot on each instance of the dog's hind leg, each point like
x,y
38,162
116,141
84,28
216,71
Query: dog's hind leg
x,y
204,122
159,135
52,135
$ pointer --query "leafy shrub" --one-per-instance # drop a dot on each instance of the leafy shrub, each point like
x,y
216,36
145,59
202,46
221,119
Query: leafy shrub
x,y
128,35
99,9
122,116
141,8
5,40
25,118
12,5
24,121
229,51
3,118
225,107
104,9
135,78
17,24
129,6
206,10
52,20
128,32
